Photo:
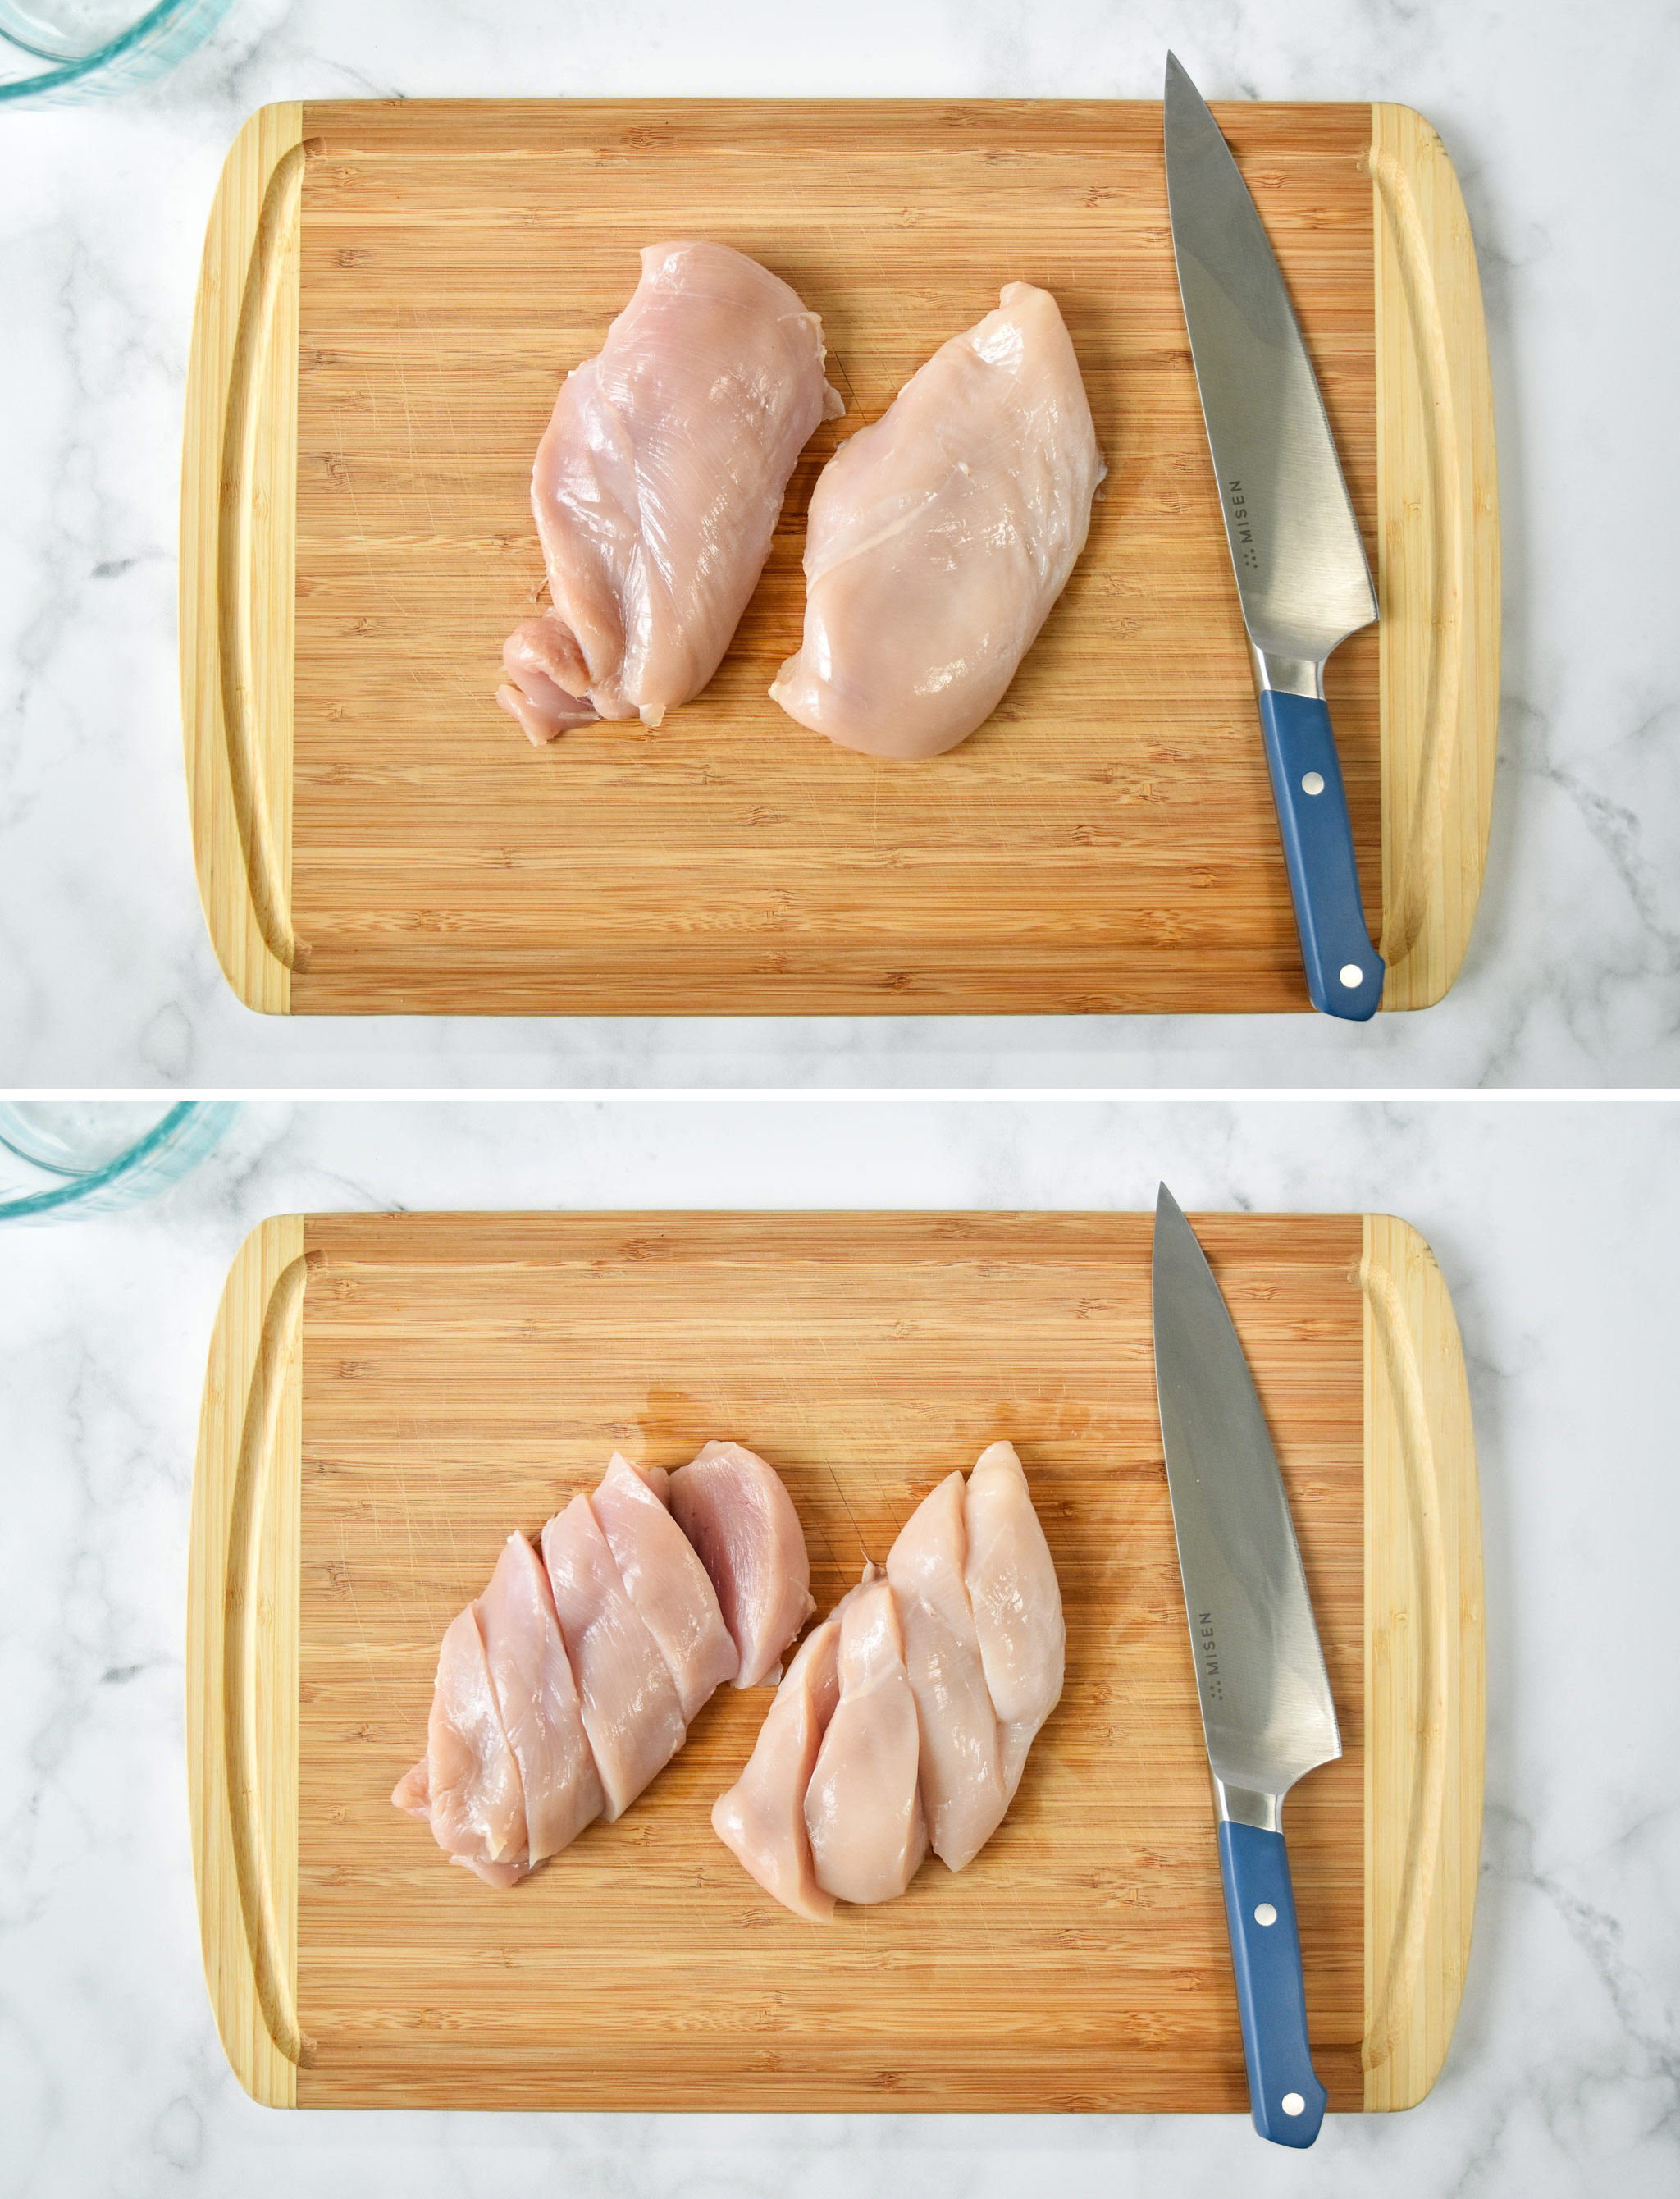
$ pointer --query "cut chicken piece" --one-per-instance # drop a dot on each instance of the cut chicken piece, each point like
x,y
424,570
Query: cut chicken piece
x,y
941,536
535,660
467,1785
631,1710
537,1697
735,1510
658,484
862,1808
666,1583
1017,1603
963,1792
761,1819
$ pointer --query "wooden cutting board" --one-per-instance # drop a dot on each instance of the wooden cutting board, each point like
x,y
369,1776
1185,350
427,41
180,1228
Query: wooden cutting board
x,y
391,295
389,1395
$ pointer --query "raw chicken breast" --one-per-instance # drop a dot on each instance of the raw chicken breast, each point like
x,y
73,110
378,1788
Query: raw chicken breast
x,y
1017,1604
863,1810
963,1795
940,538
657,487
667,1584
735,1510
630,1707
761,1819
537,1698
467,1785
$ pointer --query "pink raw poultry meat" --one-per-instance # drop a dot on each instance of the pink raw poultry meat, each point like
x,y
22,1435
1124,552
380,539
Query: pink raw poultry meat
x,y
631,1713
914,1720
657,487
1012,1584
941,536
666,1583
862,1808
572,1681
537,1697
735,1510
962,1793
467,1785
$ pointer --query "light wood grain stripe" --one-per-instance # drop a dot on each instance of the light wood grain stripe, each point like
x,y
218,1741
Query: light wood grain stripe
x,y
1424,1662
238,529
1437,577
242,1593
254,566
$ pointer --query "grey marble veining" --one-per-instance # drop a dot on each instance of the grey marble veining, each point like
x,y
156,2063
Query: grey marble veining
x,y
1553,1225
1559,122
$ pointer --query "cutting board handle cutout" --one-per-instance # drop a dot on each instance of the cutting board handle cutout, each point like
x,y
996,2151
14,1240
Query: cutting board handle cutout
x,y
1438,559
241,1664
1424,1666
238,508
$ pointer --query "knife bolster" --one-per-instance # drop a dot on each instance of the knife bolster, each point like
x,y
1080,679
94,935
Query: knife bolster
x,y
1285,676
1247,1806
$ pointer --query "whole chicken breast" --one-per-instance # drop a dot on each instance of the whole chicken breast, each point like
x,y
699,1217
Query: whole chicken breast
x,y
941,536
733,1507
963,1792
1017,1603
666,1583
862,1808
537,1698
657,487
761,1819
467,1785
631,1709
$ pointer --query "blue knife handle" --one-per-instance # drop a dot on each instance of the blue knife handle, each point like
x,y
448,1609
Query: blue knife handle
x,y
1288,2099
1318,848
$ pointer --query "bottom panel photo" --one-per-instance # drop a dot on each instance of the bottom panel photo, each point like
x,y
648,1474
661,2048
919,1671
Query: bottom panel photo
x,y
752,1643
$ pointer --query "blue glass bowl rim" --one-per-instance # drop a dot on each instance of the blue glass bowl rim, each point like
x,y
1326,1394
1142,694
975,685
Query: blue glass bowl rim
x,y
166,1131
71,71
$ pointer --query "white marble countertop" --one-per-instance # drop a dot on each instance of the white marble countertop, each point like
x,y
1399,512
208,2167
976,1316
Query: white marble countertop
x,y
1553,1224
1558,124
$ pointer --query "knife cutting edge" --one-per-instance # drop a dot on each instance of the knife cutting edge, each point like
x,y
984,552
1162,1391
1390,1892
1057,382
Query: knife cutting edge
x,y
1267,1714
1300,566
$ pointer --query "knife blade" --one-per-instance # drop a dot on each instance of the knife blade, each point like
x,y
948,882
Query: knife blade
x,y
1301,574
1267,1714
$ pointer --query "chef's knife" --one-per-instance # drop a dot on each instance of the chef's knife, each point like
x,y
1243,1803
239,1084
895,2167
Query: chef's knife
x,y
1266,1713
1294,542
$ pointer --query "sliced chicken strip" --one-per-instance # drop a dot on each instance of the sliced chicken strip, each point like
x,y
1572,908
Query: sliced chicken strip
x,y
467,1785
1017,1603
658,484
940,537
963,1792
735,1510
537,1697
761,1819
667,1584
862,1808
631,1709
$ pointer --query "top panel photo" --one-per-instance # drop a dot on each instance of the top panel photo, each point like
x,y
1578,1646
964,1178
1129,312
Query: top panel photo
x,y
900,586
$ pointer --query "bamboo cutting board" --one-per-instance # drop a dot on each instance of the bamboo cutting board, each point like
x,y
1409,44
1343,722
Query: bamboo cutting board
x,y
391,296
388,1396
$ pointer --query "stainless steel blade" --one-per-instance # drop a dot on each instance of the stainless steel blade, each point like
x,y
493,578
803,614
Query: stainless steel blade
x,y
1294,542
1267,1714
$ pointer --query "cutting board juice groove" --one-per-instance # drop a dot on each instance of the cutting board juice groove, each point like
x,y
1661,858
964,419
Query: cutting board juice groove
x,y
372,363
388,1395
